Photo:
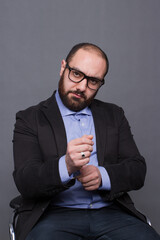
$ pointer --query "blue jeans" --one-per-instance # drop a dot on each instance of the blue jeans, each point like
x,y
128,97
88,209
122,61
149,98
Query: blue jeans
x,y
109,223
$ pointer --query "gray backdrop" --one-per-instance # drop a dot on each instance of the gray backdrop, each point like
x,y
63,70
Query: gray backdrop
x,y
35,35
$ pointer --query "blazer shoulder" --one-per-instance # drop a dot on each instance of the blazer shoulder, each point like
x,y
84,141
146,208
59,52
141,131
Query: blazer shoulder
x,y
110,111
106,106
30,112
27,118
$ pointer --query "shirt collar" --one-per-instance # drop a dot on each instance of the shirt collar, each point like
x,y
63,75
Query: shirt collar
x,y
66,112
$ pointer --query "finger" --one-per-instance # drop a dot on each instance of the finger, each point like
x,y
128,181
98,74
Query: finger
x,y
88,170
82,140
77,156
72,150
87,179
91,188
85,154
90,183
81,162
88,136
84,148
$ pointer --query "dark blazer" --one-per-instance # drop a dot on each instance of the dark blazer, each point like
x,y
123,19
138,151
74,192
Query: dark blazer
x,y
40,140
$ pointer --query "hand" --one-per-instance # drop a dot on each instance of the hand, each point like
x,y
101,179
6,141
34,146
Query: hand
x,y
90,177
74,159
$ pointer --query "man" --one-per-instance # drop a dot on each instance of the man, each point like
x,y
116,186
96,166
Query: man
x,y
75,160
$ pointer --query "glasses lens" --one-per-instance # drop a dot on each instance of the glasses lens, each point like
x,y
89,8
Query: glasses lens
x,y
75,75
94,83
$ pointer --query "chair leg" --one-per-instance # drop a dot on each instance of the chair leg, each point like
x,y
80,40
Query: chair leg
x,y
11,232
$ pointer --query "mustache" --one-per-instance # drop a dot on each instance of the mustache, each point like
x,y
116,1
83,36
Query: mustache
x,y
79,93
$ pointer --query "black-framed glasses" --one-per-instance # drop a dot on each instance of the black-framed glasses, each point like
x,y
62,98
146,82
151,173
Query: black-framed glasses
x,y
77,76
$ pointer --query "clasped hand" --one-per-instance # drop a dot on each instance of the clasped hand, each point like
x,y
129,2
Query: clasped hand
x,y
90,176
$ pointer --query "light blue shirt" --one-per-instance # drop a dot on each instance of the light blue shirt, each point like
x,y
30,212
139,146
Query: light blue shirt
x,y
78,124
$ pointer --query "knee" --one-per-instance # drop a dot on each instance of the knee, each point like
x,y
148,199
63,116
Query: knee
x,y
148,234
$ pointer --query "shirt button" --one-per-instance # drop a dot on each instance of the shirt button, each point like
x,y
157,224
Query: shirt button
x,y
91,205
83,124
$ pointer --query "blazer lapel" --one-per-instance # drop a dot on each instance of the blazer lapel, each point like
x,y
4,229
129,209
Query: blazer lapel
x,y
52,113
100,123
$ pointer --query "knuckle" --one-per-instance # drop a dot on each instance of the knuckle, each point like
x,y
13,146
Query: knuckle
x,y
69,144
71,156
69,150
88,154
82,140
88,147
87,160
82,181
97,181
75,163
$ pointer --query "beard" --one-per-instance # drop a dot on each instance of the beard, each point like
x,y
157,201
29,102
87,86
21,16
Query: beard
x,y
73,103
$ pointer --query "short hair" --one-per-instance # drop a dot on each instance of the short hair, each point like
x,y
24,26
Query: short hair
x,y
88,46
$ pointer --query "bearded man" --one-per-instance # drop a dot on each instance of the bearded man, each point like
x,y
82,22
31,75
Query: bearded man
x,y
76,160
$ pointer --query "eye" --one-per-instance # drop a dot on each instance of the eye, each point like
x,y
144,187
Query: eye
x,y
94,81
76,74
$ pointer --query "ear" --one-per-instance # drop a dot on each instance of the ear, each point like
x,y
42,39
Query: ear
x,y
63,66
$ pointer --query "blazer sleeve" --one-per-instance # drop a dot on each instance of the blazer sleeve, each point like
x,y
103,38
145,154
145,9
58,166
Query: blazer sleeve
x,y
124,164
35,175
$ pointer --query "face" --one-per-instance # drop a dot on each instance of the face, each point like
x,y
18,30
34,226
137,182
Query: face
x,y
77,96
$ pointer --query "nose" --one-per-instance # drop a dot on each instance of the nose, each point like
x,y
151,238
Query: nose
x,y
82,85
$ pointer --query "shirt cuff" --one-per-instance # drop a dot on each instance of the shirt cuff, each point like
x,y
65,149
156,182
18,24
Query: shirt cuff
x,y
63,172
106,183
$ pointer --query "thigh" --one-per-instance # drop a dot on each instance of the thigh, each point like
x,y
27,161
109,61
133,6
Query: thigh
x,y
59,224
52,235
115,224
140,232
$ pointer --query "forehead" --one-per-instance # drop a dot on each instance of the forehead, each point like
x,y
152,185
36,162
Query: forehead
x,y
89,61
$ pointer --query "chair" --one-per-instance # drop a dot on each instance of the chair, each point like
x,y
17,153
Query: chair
x,y
15,204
